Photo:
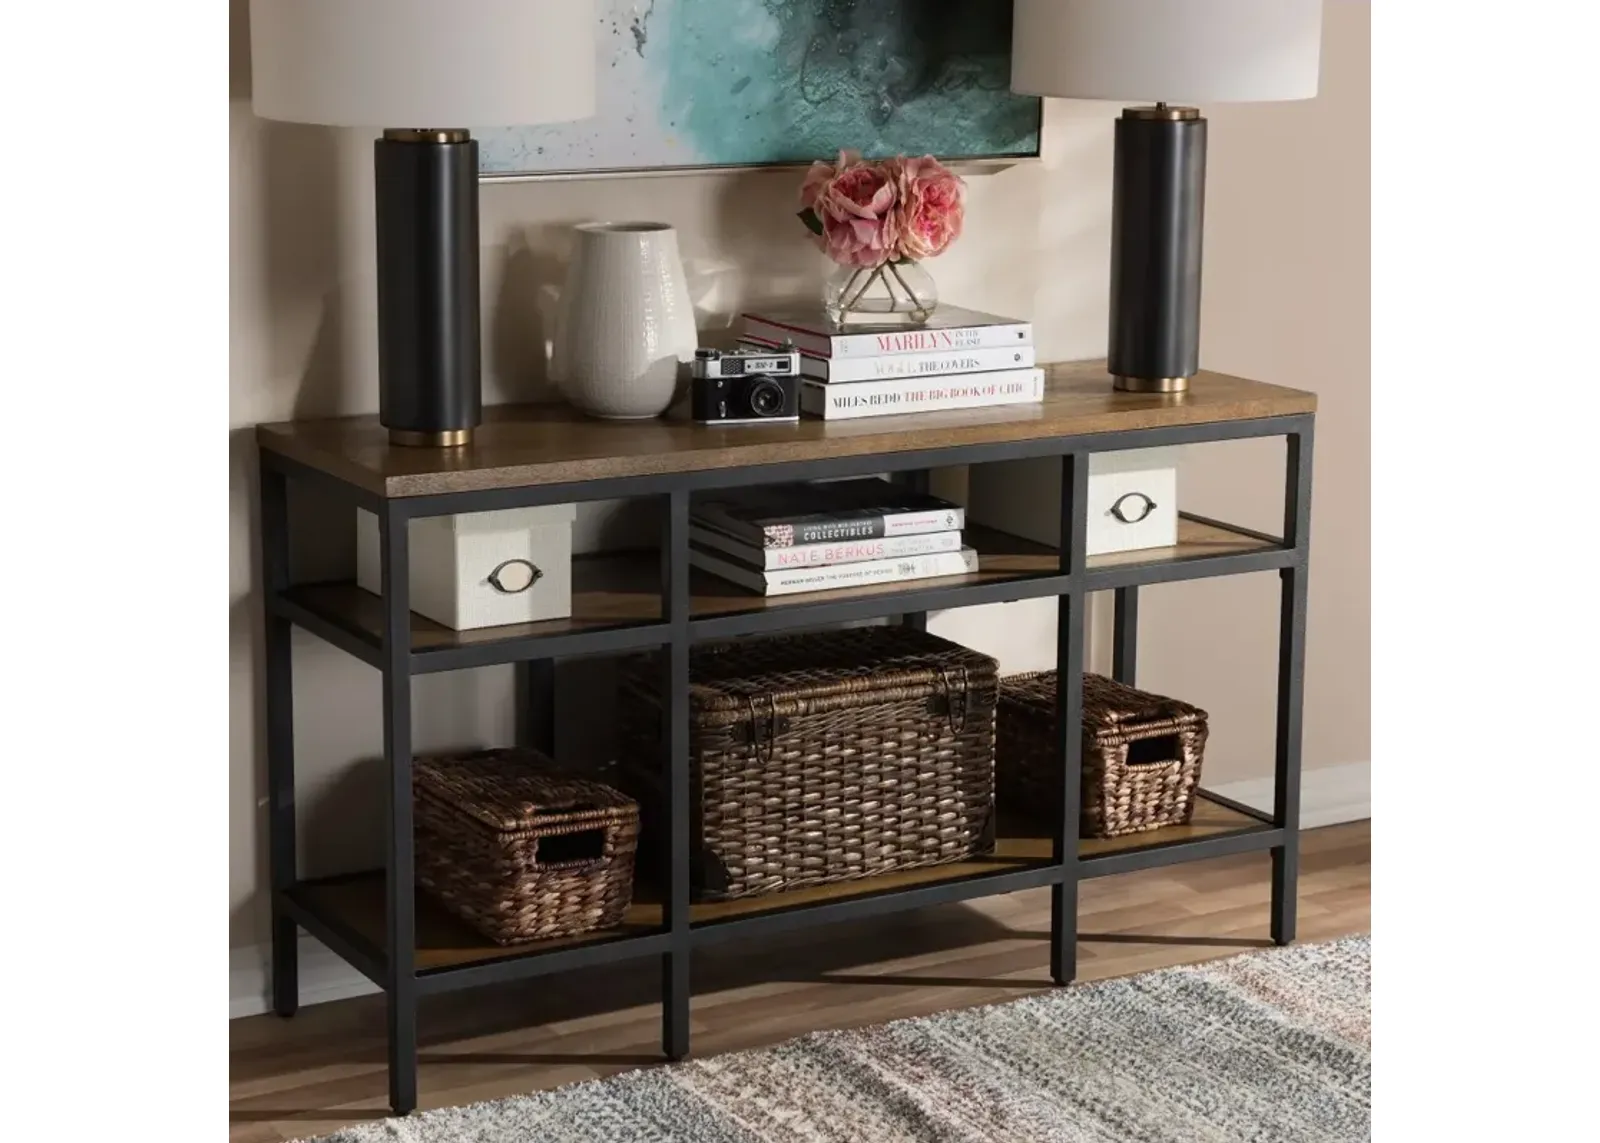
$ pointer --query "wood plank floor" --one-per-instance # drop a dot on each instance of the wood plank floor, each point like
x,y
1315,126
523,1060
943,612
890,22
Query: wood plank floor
x,y
325,1068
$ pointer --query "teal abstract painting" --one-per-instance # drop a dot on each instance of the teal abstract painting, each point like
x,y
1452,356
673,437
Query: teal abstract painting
x,y
736,83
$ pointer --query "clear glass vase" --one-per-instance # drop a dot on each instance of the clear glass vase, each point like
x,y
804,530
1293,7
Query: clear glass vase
x,y
895,291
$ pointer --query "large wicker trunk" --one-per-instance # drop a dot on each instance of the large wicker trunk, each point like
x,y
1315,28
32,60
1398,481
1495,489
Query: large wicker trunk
x,y
823,757
520,852
1141,753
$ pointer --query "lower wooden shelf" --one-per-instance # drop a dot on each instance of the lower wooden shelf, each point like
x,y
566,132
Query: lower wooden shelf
x,y
355,902
1211,819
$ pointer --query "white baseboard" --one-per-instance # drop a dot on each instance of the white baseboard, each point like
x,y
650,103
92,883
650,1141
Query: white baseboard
x,y
323,977
1329,796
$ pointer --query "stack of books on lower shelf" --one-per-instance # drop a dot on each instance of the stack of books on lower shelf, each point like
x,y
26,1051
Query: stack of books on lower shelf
x,y
956,359
783,539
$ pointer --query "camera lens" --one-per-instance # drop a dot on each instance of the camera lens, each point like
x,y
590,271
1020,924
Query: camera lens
x,y
766,398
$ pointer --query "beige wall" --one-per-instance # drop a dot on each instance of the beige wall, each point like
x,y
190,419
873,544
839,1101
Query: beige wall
x,y
1286,301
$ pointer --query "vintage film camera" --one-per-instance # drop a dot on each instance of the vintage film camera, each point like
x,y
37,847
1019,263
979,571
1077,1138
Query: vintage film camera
x,y
744,386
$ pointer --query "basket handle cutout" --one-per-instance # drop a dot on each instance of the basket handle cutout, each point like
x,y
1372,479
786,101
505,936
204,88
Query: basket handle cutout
x,y
571,850
1158,751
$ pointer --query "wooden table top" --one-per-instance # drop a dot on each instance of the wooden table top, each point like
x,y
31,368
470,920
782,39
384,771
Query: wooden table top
x,y
522,445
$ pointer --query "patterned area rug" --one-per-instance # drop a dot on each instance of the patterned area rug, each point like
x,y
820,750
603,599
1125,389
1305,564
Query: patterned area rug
x,y
1272,1046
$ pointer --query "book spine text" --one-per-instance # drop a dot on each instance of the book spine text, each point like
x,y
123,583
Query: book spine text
x,y
824,555
874,527
1009,335
849,370
877,571
919,394
795,580
932,340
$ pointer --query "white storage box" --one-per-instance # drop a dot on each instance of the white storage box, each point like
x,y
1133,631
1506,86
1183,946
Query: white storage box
x,y
481,569
1133,499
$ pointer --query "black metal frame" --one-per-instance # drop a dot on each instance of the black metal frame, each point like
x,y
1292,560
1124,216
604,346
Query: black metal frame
x,y
393,966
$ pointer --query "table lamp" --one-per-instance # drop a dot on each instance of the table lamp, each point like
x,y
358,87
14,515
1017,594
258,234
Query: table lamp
x,y
419,70
1178,52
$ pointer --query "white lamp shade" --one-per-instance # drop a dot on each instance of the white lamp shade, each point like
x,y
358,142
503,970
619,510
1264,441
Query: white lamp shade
x,y
1172,51
423,63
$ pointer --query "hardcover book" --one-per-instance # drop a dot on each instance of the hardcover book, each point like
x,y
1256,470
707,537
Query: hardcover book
x,y
787,515
826,554
950,328
921,394
794,580
847,369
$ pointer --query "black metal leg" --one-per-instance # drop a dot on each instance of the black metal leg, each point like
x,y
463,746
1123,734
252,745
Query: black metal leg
x,y
675,727
1291,689
1069,718
280,741
1125,636
536,690
917,481
675,1004
400,945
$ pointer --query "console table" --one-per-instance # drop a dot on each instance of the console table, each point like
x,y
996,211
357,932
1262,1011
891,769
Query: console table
x,y
532,455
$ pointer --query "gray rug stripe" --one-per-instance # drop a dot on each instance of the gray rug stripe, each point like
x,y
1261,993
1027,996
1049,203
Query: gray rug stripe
x,y
1271,1046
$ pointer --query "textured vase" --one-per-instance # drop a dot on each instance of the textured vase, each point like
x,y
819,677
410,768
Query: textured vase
x,y
624,325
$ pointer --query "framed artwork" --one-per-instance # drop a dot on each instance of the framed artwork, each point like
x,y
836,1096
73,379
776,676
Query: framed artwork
x,y
690,85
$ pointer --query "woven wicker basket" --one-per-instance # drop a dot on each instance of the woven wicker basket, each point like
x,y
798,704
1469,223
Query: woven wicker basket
x,y
521,853
824,757
1141,753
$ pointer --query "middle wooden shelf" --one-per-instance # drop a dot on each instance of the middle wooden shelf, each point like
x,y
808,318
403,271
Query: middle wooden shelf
x,y
616,598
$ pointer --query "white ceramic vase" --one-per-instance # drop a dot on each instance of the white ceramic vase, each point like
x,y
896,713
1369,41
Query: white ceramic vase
x,y
624,326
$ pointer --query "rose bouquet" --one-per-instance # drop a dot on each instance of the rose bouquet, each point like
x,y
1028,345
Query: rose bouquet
x,y
878,220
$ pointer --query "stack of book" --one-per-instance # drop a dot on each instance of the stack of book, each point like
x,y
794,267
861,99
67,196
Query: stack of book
x,y
787,538
957,359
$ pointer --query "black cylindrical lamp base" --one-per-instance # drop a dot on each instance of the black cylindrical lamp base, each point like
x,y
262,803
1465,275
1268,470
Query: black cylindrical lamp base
x,y
430,389
1158,204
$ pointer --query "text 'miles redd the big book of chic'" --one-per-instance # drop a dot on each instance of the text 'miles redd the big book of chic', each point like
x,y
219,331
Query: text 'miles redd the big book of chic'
x,y
922,394
947,329
790,515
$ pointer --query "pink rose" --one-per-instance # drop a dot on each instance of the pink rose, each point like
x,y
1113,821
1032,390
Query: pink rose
x,y
849,207
857,211
820,174
931,203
